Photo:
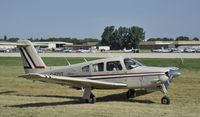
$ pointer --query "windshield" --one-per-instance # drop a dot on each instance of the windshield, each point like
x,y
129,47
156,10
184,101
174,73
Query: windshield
x,y
131,63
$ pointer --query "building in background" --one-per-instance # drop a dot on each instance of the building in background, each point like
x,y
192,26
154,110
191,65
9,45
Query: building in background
x,y
167,44
51,45
11,46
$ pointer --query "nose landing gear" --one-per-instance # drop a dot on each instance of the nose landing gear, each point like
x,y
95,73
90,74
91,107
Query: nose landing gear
x,y
165,99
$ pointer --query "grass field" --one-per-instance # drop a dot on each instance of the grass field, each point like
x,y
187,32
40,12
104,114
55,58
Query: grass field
x,y
23,98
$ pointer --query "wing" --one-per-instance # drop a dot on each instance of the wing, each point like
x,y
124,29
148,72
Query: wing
x,y
78,82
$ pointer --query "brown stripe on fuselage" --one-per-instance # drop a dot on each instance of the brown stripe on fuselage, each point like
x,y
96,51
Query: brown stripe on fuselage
x,y
127,75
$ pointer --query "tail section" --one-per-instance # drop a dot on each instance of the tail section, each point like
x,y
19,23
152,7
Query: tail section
x,y
32,62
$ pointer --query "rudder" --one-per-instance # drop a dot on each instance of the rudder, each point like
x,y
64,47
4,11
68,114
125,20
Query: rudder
x,y
32,62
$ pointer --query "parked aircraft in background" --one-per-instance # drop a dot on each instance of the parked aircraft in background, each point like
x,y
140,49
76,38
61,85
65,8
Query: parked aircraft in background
x,y
6,50
108,73
131,50
128,51
58,49
68,50
190,50
82,51
162,50
7,47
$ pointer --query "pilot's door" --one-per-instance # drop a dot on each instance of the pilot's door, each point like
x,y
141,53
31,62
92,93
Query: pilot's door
x,y
115,71
133,79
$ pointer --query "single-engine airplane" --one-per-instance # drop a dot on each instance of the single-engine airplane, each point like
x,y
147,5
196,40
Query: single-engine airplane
x,y
108,73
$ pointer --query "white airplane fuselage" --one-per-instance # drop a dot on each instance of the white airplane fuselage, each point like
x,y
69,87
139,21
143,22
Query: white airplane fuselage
x,y
139,77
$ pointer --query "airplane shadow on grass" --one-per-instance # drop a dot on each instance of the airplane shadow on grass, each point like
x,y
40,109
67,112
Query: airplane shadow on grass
x,y
77,100
7,92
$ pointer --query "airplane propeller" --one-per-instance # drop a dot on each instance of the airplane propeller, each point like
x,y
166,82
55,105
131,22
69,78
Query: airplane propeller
x,y
173,72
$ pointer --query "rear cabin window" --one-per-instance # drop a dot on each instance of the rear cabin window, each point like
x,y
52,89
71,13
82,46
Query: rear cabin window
x,y
85,68
114,66
98,67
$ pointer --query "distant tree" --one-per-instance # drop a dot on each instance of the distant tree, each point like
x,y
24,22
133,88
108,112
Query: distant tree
x,y
115,40
13,39
122,37
136,34
182,38
167,39
160,39
106,36
152,39
195,39
91,39
70,40
31,39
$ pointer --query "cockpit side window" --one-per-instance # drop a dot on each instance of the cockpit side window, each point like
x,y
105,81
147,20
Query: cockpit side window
x,y
114,66
98,67
131,63
85,68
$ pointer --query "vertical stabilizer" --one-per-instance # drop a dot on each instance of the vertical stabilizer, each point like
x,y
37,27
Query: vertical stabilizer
x,y
32,62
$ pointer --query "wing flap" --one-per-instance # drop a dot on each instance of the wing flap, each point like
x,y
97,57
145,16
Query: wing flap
x,y
74,81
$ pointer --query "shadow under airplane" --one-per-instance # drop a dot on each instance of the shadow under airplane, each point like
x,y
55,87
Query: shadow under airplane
x,y
77,100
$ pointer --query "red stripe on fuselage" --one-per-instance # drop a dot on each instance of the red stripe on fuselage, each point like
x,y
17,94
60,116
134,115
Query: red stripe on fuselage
x,y
123,77
158,73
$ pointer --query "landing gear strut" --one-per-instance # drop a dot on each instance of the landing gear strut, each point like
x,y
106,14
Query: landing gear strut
x,y
88,96
131,93
165,99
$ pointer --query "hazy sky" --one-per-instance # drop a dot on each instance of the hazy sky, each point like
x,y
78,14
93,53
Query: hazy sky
x,y
88,18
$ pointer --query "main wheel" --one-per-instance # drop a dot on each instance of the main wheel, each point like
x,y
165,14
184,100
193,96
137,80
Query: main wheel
x,y
165,100
130,93
92,99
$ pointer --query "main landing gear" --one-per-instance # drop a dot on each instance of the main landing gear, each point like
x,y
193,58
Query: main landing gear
x,y
165,99
88,96
131,93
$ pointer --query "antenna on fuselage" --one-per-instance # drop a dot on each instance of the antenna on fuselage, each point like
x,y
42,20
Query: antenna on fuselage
x,y
85,59
68,61
182,60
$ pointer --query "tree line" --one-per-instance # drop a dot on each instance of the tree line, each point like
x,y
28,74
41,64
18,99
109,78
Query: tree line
x,y
179,38
116,38
58,39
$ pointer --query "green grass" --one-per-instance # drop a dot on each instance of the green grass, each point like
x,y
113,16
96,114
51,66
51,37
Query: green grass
x,y
24,98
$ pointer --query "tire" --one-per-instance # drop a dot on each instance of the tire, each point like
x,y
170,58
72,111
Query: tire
x,y
130,93
92,99
165,100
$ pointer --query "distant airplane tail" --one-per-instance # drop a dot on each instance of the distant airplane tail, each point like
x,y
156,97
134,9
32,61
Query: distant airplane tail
x,y
32,62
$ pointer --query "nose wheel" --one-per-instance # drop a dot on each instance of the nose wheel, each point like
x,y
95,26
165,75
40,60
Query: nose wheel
x,y
165,99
